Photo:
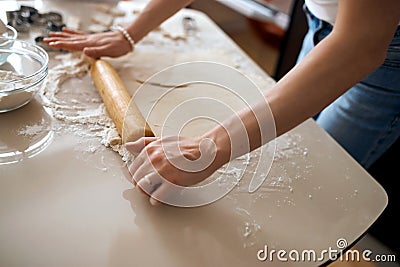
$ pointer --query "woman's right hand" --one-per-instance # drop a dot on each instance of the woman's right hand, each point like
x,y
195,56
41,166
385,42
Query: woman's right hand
x,y
96,45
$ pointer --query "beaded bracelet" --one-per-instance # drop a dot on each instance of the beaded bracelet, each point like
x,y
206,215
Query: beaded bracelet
x,y
126,35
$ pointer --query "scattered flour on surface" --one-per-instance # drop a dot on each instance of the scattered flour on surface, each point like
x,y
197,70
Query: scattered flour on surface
x,y
32,130
87,117
248,230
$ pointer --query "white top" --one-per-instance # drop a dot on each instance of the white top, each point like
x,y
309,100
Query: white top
x,y
323,9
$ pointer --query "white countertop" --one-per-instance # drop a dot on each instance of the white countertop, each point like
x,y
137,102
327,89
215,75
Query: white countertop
x,y
68,200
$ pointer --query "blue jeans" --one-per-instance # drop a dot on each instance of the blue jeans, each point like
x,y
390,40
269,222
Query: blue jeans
x,y
365,120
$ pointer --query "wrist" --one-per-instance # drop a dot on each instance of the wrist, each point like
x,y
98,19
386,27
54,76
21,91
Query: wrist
x,y
126,35
222,143
242,132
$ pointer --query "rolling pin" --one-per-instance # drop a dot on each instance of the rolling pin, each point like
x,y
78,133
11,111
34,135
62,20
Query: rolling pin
x,y
128,120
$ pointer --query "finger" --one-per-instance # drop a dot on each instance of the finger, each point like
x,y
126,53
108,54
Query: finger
x,y
64,39
137,162
149,183
48,40
68,30
143,170
57,34
65,34
67,45
160,194
137,146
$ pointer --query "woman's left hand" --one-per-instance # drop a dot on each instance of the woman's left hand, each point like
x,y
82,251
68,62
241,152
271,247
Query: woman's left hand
x,y
96,45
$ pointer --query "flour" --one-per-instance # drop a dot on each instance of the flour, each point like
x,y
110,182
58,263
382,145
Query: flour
x,y
248,231
11,81
86,117
6,76
33,130
288,147
9,101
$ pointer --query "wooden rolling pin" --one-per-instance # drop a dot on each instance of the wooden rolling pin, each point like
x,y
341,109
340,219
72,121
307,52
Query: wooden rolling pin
x,y
127,118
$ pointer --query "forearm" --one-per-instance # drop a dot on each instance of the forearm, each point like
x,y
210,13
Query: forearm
x,y
155,13
309,87
325,74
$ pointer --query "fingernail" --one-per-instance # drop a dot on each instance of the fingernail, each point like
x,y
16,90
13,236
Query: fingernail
x,y
153,201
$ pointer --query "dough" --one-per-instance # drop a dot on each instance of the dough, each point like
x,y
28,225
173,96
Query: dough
x,y
74,22
94,28
174,36
109,10
136,68
105,20
174,30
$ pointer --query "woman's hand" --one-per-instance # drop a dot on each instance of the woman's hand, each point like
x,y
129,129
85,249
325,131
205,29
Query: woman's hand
x,y
162,163
111,44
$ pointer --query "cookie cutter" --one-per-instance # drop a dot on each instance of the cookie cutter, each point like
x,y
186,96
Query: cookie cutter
x,y
26,16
